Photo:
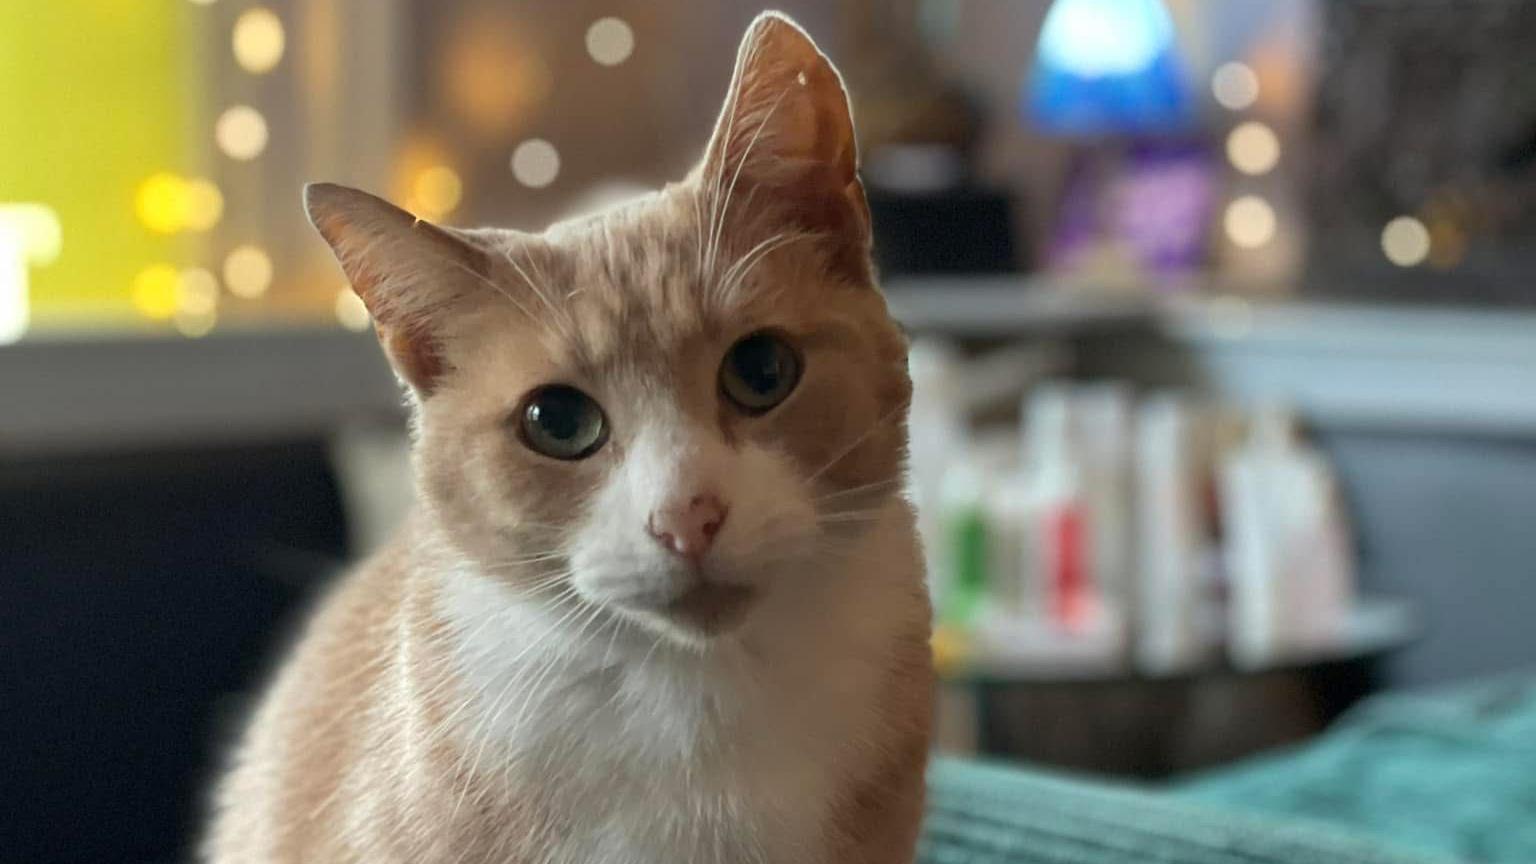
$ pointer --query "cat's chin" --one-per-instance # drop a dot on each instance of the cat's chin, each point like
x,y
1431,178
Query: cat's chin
x,y
703,613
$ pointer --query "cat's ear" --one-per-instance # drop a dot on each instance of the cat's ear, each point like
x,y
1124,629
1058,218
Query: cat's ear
x,y
786,132
408,272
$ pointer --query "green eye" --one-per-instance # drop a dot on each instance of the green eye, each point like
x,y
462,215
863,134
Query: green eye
x,y
759,372
562,422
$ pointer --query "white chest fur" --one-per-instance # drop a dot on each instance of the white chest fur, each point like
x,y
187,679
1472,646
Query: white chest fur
x,y
655,753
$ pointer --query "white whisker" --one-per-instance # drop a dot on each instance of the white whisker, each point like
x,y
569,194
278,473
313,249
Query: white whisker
x,y
720,217
843,454
743,267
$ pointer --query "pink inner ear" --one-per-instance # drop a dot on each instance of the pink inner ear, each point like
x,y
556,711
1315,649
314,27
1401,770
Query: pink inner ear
x,y
786,127
786,105
408,272
414,356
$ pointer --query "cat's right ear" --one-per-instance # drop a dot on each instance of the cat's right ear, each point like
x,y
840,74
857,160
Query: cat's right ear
x,y
407,271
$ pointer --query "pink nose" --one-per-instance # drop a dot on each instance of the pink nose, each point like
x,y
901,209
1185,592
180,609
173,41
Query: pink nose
x,y
688,528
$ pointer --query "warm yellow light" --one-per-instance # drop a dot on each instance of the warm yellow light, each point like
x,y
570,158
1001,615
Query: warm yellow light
x,y
241,132
204,205
1253,148
248,272
195,324
197,293
436,192
1447,244
1405,241
155,291
161,203
258,40
15,296
350,310
610,41
203,2
535,163
492,76
1235,86
36,231
166,203
1249,222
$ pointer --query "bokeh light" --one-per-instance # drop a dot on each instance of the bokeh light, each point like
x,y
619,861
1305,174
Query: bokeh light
x,y
204,205
1405,241
197,292
1253,148
535,163
35,229
493,77
161,203
166,204
1235,86
350,310
258,40
195,324
610,41
436,192
241,132
248,271
1249,222
1447,244
197,302
15,300
156,290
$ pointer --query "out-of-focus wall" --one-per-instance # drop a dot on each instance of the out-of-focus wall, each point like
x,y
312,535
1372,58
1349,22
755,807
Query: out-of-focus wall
x,y
1446,520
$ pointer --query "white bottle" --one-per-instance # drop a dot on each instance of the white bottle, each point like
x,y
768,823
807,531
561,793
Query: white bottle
x,y
1176,628
1010,512
939,441
1103,443
1289,562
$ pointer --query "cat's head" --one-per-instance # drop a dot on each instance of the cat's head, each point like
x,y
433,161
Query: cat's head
x,y
668,409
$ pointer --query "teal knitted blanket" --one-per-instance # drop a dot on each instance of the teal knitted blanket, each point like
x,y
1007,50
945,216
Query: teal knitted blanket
x,y
1450,772
1448,778
991,814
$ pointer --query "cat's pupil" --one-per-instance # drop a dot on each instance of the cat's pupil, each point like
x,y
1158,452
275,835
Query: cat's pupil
x,y
758,362
560,413
758,373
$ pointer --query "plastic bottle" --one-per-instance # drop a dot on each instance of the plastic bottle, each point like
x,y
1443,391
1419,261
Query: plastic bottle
x,y
1061,538
963,546
1103,444
1288,555
1175,627
939,440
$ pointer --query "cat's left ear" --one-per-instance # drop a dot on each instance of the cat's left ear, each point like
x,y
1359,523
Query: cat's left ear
x,y
786,132
413,276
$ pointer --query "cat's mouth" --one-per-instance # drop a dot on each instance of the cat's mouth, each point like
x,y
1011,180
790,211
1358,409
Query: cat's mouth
x,y
702,611
711,608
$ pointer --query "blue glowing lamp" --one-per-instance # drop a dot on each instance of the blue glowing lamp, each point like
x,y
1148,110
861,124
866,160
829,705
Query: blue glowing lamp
x,y
1107,67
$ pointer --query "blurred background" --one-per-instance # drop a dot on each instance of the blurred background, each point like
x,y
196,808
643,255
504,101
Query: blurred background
x,y
1224,333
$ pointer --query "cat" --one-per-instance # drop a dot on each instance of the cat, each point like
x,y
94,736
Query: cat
x,y
662,599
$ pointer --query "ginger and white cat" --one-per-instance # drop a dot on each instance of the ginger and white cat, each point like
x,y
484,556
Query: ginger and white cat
x,y
662,600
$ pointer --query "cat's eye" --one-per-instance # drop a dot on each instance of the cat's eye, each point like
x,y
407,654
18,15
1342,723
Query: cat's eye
x,y
562,422
759,372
